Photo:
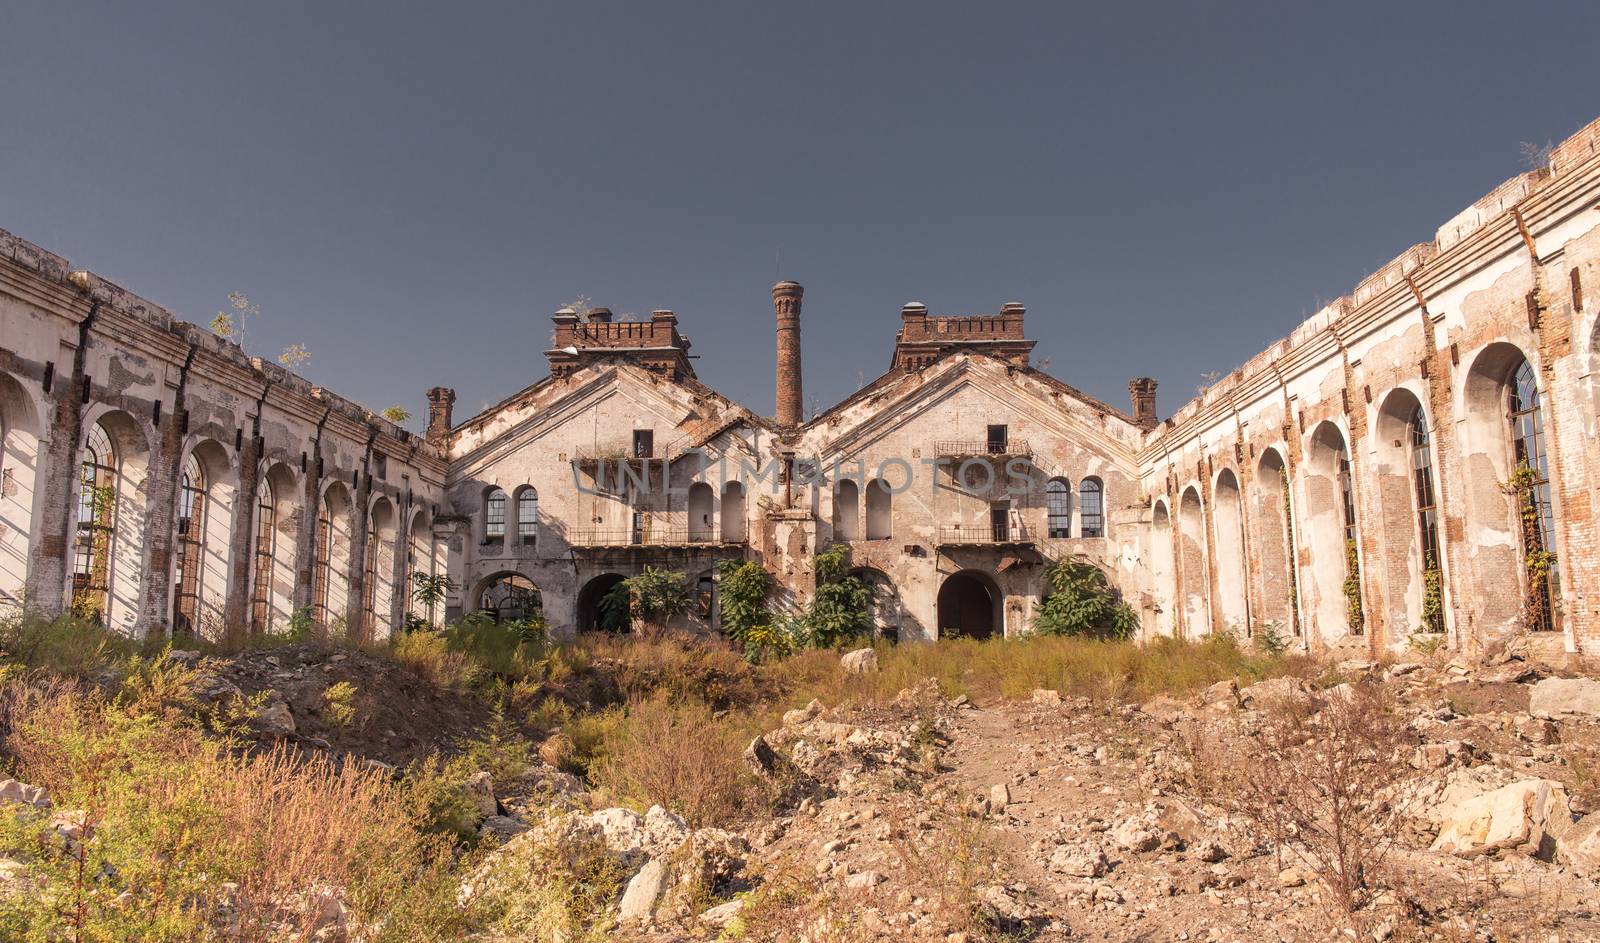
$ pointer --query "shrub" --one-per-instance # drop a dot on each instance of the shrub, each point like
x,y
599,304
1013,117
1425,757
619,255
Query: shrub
x,y
429,655
653,597
839,611
1081,603
170,836
339,703
1313,776
680,756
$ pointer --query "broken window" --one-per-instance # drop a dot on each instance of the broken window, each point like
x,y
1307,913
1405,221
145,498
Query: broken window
x,y
97,499
644,443
1538,516
997,440
1427,518
191,533
266,526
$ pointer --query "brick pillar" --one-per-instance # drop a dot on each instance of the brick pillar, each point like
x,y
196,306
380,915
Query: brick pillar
x,y
1142,390
236,610
441,399
786,298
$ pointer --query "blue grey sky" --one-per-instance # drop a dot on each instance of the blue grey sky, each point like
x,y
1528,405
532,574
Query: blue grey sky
x,y
410,190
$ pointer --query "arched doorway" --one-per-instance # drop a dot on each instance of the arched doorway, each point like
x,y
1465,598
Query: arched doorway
x,y
509,597
969,607
1192,564
1227,524
590,616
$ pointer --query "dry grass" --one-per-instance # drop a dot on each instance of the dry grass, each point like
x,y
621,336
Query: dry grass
x,y
1312,774
172,836
681,756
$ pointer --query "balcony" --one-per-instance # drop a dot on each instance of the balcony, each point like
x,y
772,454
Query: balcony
x,y
984,535
663,538
637,455
982,448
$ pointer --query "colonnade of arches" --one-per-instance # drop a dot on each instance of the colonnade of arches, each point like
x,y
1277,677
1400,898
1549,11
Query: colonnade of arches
x,y
1347,538
202,549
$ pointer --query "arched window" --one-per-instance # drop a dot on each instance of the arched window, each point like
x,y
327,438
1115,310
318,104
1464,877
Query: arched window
x,y
1091,508
1058,507
528,517
1427,516
191,537
494,516
733,526
880,510
1532,477
97,502
846,510
266,530
702,513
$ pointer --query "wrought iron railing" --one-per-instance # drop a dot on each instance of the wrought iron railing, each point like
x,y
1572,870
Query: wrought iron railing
x,y
954,448
980,534
650,537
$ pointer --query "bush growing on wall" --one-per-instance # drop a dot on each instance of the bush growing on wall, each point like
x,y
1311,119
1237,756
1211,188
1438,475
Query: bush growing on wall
x,y
1081,603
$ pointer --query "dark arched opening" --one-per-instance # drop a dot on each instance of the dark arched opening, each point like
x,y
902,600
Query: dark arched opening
x,y
591,617
510,597
968,607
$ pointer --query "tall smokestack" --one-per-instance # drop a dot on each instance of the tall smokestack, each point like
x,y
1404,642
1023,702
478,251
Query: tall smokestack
x,y
1143,392
786,302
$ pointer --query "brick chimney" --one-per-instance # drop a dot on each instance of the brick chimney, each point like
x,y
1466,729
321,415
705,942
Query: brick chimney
x,y
440,401
786,303
1143,392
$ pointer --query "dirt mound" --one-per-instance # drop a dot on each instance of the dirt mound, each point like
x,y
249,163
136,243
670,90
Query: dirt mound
x,y
388,712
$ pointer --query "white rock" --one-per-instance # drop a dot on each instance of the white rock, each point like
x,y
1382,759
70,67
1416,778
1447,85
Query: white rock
x,y
1529,815
999,797
1579,848
274,717
23,794
640,897
1133,836
1557,697
722,914
1046,697
480,790
860,661
863,880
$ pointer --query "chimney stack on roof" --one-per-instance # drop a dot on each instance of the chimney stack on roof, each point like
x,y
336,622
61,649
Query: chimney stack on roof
x,y
786,298
1143,392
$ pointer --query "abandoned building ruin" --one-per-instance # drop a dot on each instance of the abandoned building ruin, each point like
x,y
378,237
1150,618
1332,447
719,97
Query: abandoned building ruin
x,y
1420,457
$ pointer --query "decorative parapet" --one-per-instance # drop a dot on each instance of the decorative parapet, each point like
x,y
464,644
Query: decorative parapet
x,y
922,338
655,344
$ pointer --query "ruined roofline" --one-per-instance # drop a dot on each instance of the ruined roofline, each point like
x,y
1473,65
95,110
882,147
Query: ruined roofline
x,y
602,362
1452,240
888,377
311,399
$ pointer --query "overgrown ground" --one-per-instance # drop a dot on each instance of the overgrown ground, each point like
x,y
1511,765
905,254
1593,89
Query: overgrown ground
x,y
484,784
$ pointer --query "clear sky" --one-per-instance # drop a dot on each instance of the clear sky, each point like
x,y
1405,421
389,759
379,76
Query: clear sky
x,y
411,190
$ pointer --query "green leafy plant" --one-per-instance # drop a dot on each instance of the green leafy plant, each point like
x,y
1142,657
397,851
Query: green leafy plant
x,y
1538,562
742,605
1082,603
840,609
1270,639
339,703
653,597
1352,588
1432,601
429,591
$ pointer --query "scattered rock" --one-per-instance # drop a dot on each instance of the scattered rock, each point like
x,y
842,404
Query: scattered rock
x,y
640,897
23,794
860,661
480,790
999,797
1527,815
1559,697
1579,847
1045,697
273,717
864,880
722,914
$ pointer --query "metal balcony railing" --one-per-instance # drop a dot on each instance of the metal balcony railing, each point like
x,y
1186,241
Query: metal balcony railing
x,y
606,537
966,448
977,535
